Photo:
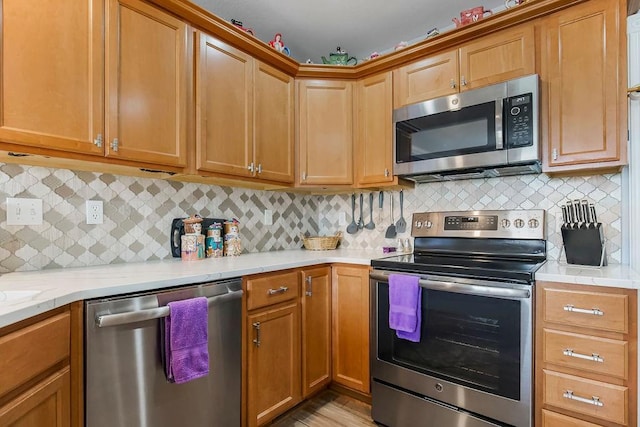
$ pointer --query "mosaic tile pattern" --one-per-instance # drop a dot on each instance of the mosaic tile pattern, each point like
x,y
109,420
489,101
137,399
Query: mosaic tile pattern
x,y
138,213
516,192
137,217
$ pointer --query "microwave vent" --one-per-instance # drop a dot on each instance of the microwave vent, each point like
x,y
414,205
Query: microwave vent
x,y
509,170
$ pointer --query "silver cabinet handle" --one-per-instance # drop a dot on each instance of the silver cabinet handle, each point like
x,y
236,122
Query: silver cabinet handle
x,y
251,167
280,290
114,144
594,311
463,81
304,176
309,292
453,84
259,167
554,154
595,400
102,321
256,340
98,141
386,172
593,357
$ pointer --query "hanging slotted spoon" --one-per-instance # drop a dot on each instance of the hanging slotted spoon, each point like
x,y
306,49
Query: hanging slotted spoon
x,y
401,225
391,230
370,225
353,227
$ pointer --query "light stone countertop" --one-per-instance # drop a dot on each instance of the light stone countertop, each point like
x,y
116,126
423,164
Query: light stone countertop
x,y
62,286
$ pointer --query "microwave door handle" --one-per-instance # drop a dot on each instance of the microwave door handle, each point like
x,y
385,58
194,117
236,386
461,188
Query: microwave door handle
x,y
499,123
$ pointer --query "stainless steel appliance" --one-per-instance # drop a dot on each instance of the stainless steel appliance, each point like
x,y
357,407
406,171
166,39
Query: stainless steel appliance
x,y
483,132
473,364
125,384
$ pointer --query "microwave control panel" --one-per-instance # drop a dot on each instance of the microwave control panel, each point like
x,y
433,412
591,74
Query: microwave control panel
x,y
518,114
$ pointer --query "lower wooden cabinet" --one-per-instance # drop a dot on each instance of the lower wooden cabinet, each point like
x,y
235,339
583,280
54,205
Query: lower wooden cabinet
x,y
41,366
350,305
586,356
316,329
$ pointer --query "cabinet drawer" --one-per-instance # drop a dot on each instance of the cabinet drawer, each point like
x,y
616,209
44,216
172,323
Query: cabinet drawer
x,y
593,354
596,310
595,398
32,350
272,289
552,419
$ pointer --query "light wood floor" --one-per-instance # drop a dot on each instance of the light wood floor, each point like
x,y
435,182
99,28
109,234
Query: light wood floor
x,y
328,409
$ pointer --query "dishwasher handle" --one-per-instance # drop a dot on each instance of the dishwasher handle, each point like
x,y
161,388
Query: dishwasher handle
x,y
106,320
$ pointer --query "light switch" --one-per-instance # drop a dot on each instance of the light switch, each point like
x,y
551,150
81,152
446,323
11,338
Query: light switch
x,y
24,211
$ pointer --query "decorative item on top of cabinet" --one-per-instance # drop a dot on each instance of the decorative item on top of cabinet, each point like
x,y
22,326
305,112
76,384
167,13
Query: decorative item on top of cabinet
x,y
583,79
350,304
325,129
272,344
244,118
500,56
316,329
121,94
586,355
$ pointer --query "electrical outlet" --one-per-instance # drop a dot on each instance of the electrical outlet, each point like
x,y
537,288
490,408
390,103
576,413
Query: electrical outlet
x,y
94,212
24,211
342,218
268,217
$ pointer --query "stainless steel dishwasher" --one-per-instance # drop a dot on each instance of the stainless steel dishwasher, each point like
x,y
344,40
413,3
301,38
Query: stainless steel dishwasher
x,y
125,384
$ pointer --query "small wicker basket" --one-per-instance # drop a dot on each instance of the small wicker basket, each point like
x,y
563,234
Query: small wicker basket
x,y
321,243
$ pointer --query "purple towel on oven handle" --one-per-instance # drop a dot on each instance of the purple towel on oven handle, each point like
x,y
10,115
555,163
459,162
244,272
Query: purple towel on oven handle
x,y
186,351
405,298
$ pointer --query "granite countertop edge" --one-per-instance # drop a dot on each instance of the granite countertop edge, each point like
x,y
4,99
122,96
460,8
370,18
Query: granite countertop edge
x,y
59,287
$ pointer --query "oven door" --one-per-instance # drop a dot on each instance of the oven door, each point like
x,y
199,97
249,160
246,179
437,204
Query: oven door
x,y
475,350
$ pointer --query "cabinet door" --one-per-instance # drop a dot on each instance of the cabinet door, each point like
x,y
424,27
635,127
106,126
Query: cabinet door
x,y
374,143
273,363
583,74
52,64
224,105
499,57
273,126
350,295
316,330
326,132
45,404
146,84
428,78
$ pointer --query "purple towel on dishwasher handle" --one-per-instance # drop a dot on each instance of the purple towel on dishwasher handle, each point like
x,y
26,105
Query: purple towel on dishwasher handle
x,y
405,300
186,351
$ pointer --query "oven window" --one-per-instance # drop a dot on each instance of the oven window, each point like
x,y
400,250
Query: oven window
x,y
470,340
451,133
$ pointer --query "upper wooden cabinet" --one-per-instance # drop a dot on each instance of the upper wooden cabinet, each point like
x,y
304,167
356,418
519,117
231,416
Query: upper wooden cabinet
x,y
52,74
583,90
146,86
325,139
56,66
374,136
500,56
244,114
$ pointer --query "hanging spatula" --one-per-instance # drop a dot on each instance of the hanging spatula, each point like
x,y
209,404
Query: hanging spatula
x,y
391,230
401,225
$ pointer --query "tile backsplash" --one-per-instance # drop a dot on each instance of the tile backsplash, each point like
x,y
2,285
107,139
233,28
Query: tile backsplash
x,y
138,213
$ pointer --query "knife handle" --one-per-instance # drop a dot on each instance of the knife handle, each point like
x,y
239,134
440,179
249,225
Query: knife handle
x,y
584,205
565,218
570,213
594,217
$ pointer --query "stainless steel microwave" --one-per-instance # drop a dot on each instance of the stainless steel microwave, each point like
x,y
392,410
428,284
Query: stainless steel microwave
x,y
485,132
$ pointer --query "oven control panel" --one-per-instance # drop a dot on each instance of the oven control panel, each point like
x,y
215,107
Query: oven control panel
x,y
507,224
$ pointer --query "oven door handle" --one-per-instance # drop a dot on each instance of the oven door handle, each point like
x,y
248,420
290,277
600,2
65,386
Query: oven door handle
x,y
463,288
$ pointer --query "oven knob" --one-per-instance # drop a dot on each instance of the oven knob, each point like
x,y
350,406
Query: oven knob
x,y
418,224
428,224
534,223
439,387
505,223
519,223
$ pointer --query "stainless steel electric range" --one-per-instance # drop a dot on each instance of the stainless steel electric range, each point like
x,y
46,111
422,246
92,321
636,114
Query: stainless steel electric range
x,y
473,364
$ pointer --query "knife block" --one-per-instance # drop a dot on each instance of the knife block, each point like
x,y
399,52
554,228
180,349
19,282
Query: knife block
x,y
584,246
